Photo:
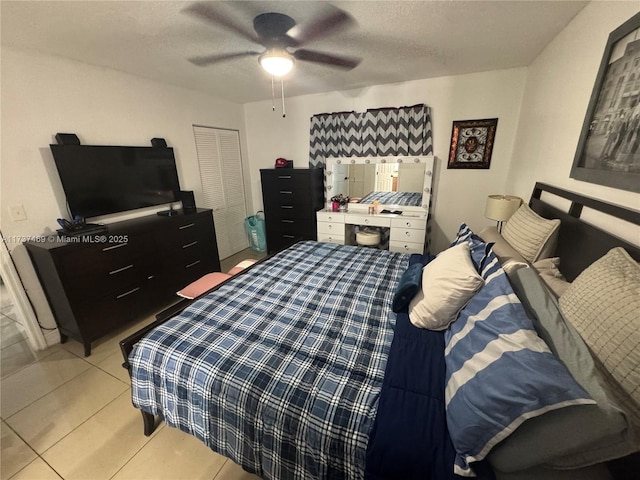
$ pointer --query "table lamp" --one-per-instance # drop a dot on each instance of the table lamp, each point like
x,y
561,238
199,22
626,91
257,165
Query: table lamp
x,y
501,207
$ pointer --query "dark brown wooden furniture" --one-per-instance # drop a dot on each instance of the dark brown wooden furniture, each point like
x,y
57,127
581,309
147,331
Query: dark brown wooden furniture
x,y
291,197
95,284
579,243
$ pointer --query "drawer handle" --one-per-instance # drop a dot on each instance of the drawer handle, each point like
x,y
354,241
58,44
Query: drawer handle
x,y
286,206
408,224
287,221
122,295
284,176
329,226
288,236
366,220
192,264
286,191
188,225
190,244
112,247
408,234
121,269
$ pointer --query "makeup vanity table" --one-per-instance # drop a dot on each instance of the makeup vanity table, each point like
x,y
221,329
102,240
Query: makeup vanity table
x,y
398,180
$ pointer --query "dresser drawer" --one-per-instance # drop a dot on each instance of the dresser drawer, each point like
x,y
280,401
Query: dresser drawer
x,y
323,216
370,220
331,228
295,180
190,254
293,232
409,222
288,192
286,210
331,238
186,232
406,247
101,316
407,235
291,224
276,243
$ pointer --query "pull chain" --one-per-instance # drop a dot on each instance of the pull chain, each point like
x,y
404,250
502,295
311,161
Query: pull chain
x,y
273,95
284,113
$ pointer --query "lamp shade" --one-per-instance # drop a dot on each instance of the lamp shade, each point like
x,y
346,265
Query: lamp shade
x,y
501,207
276,62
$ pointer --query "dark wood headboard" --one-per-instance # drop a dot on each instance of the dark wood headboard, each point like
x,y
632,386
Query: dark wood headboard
x,y
579,243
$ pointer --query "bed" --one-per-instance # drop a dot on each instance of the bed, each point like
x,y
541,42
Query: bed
x,y
298,367
405,199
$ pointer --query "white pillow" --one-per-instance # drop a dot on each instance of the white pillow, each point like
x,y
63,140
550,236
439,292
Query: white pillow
x,y
448,283
531,235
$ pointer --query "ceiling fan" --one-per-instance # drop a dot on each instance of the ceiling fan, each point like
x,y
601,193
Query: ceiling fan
x,y
281,38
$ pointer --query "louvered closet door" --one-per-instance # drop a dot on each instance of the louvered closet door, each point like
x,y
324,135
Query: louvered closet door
x,y
223,185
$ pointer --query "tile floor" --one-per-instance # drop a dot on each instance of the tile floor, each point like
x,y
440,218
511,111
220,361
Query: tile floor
x,y
70,417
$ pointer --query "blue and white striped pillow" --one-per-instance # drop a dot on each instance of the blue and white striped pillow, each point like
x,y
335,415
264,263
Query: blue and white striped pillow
x,y
478,248
499,372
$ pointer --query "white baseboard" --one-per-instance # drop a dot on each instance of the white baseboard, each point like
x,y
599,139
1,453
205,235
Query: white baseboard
x,y
52,337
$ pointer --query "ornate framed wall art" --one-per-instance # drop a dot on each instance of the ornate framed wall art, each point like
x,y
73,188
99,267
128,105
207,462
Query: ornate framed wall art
x,y
472,143
608,151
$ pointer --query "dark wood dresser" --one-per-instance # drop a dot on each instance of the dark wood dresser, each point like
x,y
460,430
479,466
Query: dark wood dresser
x,y
291,197
97,283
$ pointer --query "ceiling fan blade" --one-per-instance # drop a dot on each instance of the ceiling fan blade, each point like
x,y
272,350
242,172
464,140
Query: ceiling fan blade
x,y
335,20
206,12
346,63
209,59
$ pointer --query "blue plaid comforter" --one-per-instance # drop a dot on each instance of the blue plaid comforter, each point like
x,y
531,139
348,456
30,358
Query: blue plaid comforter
x,y
281,368
407,199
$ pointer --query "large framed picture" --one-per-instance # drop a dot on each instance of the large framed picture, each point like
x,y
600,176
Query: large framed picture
x,y
472,143
608,150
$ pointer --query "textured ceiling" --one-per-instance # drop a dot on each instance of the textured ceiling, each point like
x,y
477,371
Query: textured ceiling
x,y
398,40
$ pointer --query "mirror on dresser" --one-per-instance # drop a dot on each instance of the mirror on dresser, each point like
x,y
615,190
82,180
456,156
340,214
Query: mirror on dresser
x,y
396,182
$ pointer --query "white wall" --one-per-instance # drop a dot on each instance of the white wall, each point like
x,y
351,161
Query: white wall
x,y
558,88
459,194
43,95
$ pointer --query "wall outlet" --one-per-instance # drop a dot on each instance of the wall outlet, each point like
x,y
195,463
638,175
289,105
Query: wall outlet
x,y
17,213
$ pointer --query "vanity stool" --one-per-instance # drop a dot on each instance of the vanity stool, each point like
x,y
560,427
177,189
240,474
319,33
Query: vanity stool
x,y
368,238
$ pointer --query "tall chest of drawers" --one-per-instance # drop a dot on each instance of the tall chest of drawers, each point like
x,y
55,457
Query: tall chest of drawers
x,y
291,197
95,284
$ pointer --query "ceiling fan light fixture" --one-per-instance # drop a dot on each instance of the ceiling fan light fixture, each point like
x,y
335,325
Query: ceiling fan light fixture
x,y
276,62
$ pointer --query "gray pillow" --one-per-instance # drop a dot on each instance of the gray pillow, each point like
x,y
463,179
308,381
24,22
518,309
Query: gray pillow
x,y
575,436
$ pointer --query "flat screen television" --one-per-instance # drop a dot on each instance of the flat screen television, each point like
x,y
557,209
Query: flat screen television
x,y
100,180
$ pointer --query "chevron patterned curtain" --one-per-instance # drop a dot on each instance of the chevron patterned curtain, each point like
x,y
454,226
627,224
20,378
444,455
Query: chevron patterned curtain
x,y
334,135
376,132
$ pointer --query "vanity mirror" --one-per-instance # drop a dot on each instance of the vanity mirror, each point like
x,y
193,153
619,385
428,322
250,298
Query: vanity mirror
x,y
396,182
